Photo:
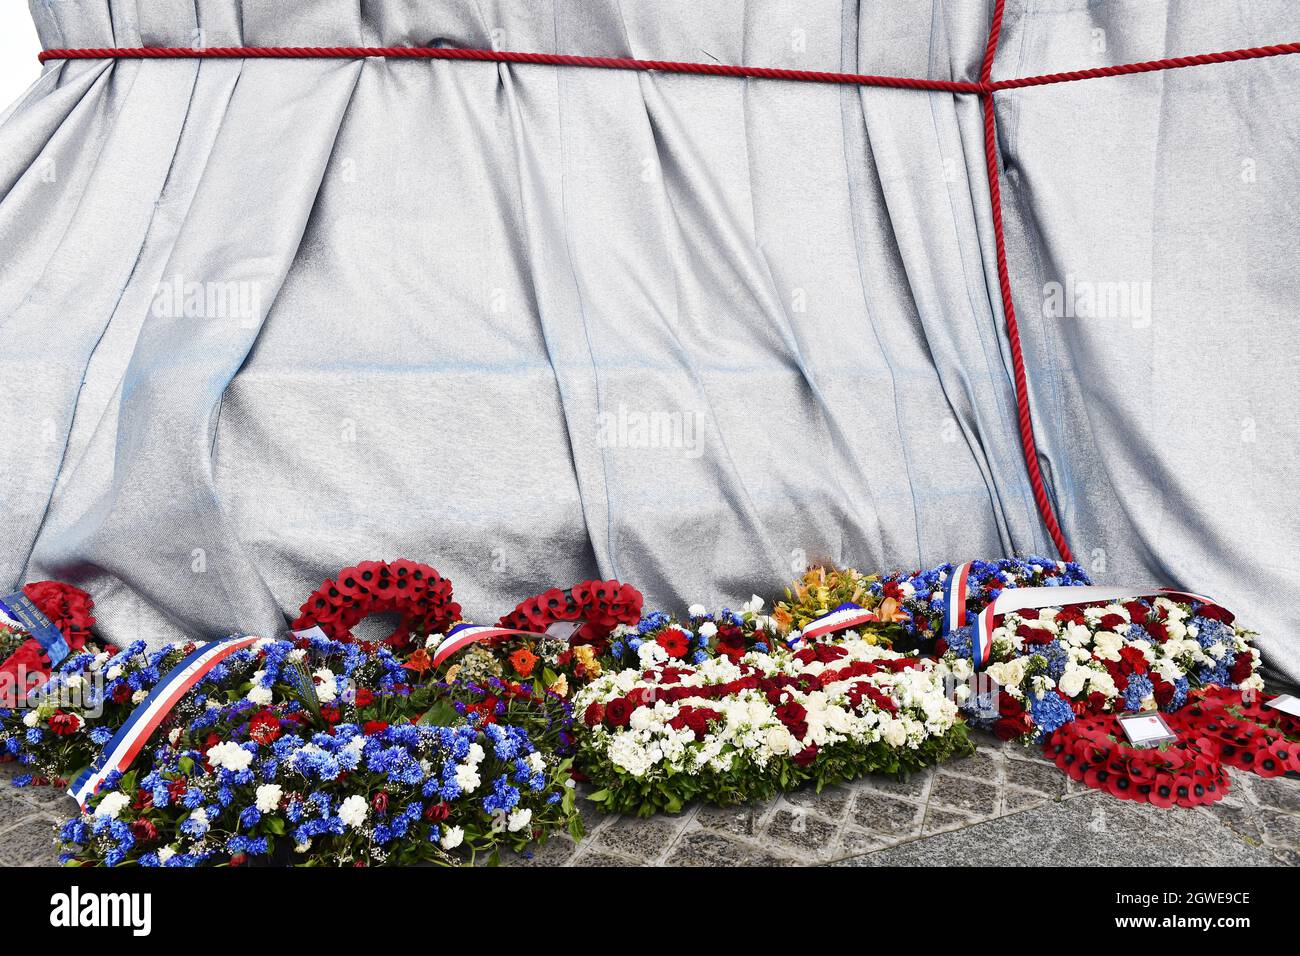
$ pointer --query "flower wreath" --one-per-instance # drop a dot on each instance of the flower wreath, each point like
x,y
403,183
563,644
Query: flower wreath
x,y
416,591
1243,733
603,605
1091,750
67,608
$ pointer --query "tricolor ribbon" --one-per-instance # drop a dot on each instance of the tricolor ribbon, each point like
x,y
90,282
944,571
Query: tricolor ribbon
x,y
848,615
23,610
955,591
463,635
1021,599
132,736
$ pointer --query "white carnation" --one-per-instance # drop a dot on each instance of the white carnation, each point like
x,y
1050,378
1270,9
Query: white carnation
x,y
229,755
452,837
268,797
353,810
519,819
112,805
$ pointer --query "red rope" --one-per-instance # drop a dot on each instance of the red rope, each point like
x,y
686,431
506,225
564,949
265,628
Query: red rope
x,y
985,88
1148,66
1028,444
508,56
985,85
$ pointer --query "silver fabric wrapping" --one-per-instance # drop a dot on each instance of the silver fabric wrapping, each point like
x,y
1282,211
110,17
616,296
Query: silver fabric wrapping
x,y
534,324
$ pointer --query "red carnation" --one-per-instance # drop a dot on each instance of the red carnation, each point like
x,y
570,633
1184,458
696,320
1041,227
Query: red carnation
x,y
364,697
264,727
63,723
372,727
1216,613
379,802
144,831
437,812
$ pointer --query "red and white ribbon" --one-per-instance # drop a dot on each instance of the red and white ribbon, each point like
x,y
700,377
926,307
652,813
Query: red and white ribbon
x,y
132,736
843,618
955,591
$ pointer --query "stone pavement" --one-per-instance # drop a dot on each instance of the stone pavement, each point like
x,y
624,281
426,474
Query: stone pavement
x,y
1004,805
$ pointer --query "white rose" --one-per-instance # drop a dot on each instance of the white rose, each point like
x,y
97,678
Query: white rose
x,y
268,797
895,733
452,838
780,741
519,819
112,804
1072,681
353,810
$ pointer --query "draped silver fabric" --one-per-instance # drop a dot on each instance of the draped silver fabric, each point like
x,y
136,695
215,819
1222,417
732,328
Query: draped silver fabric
x,y
263,319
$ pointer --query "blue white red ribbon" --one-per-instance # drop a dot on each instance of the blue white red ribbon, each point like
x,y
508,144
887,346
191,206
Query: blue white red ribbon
x,y
463,635
848,615
23,610
132,736
955,591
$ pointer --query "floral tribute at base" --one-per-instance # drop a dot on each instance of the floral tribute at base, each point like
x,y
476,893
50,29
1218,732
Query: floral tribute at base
x,y
446,742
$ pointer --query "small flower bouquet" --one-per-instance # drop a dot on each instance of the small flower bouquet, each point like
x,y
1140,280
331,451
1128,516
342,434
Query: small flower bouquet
x,y
1054,664
659,638
730,730
920,595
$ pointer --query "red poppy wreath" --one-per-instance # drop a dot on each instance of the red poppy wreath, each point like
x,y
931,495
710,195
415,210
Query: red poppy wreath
x,y
416,591
1243,733
1093,751
603,605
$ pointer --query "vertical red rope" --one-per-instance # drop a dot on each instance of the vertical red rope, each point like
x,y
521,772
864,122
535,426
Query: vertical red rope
x,y
1028,444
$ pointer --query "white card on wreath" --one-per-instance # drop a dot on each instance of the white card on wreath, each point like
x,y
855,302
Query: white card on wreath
x,y
565,630
310,632
1147,729
1285,703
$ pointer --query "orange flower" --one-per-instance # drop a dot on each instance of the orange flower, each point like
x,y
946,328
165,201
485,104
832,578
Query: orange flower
x,y
523,661
420,661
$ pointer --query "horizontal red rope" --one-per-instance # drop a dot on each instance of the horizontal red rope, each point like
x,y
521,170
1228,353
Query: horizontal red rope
x,y
508,56
1148,66
658,66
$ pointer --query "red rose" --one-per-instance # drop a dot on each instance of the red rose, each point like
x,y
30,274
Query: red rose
x,y
806,756
1009,707
239,859
1134,658
594,714
1241,668
1137,611
1009,728
1216,613
1111,622
1157,631
618,711
437,812
1034,635
121,693
379,802
1164,691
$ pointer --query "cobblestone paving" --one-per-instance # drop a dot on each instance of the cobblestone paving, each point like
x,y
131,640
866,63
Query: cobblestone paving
x,y
1005,804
